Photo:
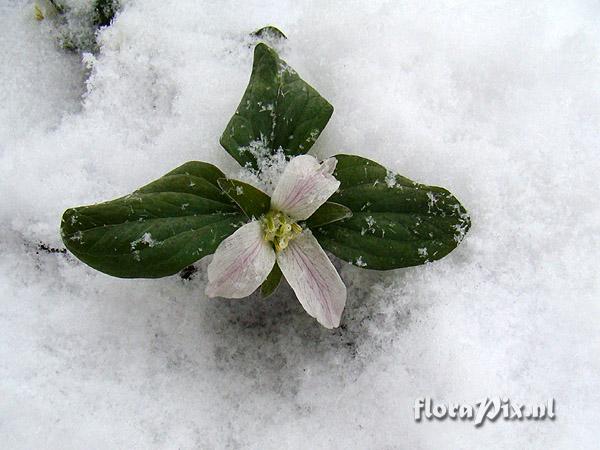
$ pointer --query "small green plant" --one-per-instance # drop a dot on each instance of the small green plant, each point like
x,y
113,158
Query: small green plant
x,y
348,205
75,28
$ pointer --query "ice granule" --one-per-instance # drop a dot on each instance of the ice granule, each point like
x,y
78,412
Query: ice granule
x,y
145,240
390,179
359,262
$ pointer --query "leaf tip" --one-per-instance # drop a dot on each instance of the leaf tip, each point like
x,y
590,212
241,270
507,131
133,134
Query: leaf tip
x,y
269,32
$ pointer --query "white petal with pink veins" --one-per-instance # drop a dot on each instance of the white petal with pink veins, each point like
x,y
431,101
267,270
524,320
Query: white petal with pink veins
x,y
241,263
313,278
304,186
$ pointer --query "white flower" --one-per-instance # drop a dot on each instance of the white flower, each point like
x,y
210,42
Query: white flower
x,y
244,260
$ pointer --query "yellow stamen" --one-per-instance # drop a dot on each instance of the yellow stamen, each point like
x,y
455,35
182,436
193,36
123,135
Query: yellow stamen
x,y
279,229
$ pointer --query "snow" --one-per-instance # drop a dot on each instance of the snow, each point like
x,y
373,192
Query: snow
x,y
390,179
269,170
496,101
146,240
359,262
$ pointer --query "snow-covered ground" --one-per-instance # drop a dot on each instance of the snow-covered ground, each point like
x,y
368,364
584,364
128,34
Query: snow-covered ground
x,y
497,101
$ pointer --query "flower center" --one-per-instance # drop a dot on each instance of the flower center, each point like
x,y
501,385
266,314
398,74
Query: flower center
x,y
279,229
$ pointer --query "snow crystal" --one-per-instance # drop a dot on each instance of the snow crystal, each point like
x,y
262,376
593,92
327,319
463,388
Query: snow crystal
x,y
390,179
286,68
145,240
269,107
432,200
370,226
77,236
496,101
359,262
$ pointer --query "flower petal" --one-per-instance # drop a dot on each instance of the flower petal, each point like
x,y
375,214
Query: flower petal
x,y
241,263
313,278
303,186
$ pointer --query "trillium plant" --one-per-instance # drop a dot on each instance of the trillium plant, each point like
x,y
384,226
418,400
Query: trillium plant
x,y
280,214
243,261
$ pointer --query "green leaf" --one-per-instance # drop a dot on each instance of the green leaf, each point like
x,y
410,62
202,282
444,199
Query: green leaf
x,y
278,110
159,229
328,212
60,9
269,32
104,12
272,282
396,222
252,201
